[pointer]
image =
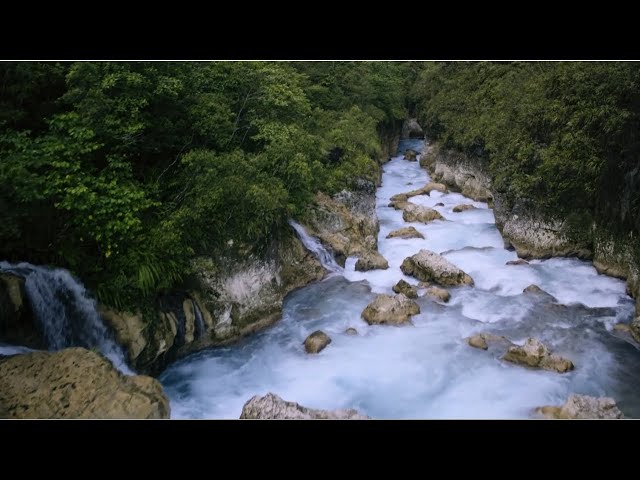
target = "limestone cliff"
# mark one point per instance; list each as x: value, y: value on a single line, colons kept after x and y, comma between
x: 532, y: 234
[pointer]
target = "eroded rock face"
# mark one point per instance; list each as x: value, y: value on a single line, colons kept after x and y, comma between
x: 392, y: 310
x: 429, y: 266
x: 405, y: 233
x: 346, y: 222
x: 17, y: 322
x: 406, y: 289
x: 535, y: 354
x: 439, y: 293
x: 411, y: 129
x: 457, y: 171
x: 272, y: 407
x: 371, y: 261
x: 418, y: 213
x: 634, y: 329
x: 583, y: 407
x: 235, y: 295
x: 316, y: 342
x: 463, y: 208
x: 75, y: 383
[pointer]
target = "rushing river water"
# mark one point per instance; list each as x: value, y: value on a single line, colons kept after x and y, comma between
x: 427, y: 370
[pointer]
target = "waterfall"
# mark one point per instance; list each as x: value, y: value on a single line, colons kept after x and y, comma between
x: 65, y: 312
x: 314, y: 246
x: 199, y: 330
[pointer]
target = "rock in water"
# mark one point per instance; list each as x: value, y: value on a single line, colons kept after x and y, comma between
x: 411, y: 155
x: 439, y: 204
x: 272, y: 407
x: 406, y: 289
x: 371, y: 261
x: 426, y: 190
x: 478, y: 341
x: 387, y: 309
x: 316, y: 342
x: 583, y: 407
x: 519, y: 261
x: 462, y: 208
x: 417, y: 213
x: 351, y: 331
x: 75, y: 383
x: 439, y: 293
x: 483, y: 340
x: 535, y: 354
x: 536, y: 290
x: 398, y: 204
x: 405, y: 233
x: 429, y: 266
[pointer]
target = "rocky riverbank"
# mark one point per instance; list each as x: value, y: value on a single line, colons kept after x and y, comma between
x: 527, y: 230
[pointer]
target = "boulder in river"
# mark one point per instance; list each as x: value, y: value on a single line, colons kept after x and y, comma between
x: 399, y: 197
x: 411, y: 155
x: 536, y: 290
x: 398, y: 204
x: 535, y: 354
x: 483, y: 340
x: 583, y: 407
x: 439, y: 204
x: 429, y: 266
x: 405, y: 233
x: 426, y: 190
x: 316, y: 342
x: 463, y: 208
x: 441, y: 294
x: 272, y: 407
x: 406, y: 288
x: 417, y: 213
x: 351, y: 331
x: 519, y: 261
x: 75, y: 383
x: 392, y: 310
x: 371, y: 261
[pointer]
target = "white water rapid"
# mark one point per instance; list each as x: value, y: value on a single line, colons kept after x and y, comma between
x: 428, y: 370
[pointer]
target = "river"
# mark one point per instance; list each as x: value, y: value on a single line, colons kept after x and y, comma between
x: 427, y: 370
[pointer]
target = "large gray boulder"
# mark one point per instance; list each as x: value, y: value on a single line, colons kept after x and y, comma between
x: 271, y: 407
x: 418, y: 213
x: 75, y: 383
x: 405, y: 233
x: 535, y: 354
x: 393, y: 310
x: 429, y: 266
x: 583, y: 407
x: 371, y: 261
x: 316, y: 342
x: 406, y: 289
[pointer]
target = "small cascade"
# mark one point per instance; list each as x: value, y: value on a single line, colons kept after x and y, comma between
x: 315, y: 246
x: 199, y: 321
x: 65, y: 312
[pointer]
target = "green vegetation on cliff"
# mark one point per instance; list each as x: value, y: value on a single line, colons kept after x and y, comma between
x: 123, y: 172
x: 563, y: 137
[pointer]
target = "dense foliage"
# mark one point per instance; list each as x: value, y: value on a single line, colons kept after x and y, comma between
x: 123, y: 172
x: 563, y: 136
